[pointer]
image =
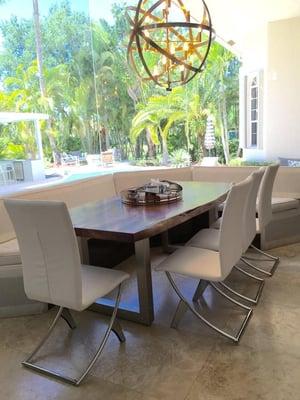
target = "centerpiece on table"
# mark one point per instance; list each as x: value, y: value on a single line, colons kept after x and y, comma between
x: 155, y: 192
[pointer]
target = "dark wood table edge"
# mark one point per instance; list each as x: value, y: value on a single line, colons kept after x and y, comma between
x: 146, y: 233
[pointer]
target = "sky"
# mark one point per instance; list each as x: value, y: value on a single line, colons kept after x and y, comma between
x: 23, y: 8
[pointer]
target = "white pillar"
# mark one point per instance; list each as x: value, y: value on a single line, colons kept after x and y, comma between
x: 38, y: 138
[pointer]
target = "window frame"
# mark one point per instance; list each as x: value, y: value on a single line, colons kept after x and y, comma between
x: 254, y: 140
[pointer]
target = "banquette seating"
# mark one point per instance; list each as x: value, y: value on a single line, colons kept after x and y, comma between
x: 284, y: 227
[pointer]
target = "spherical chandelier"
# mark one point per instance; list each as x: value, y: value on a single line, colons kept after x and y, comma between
x: 166, y: 44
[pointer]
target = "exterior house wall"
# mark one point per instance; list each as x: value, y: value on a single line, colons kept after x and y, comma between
x: 280, y: 130
x: 283, y: 89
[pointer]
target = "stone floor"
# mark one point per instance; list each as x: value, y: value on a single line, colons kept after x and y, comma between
x: 157, y: 362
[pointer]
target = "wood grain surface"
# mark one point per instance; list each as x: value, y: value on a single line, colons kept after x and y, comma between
x: 112, y: 220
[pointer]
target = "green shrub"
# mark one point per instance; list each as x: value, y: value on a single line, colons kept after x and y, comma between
x: 180, y: 158
x: 13, y: 152
x: 240, y: 162
x: 149, y: 162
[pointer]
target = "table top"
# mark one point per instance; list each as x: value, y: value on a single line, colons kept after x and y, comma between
x: 110, y: 219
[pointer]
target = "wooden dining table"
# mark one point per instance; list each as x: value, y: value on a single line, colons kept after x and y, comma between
x: 112, y: 220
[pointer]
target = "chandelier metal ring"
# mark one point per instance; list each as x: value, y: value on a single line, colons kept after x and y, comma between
x: 179, y: 52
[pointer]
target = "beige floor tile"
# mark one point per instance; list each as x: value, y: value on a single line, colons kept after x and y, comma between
x: 283, y: 289
x: 190, y: 363
x: 158, y: 361
x: 19, y: 383
x: 274, y: 328
x: 241, y: 373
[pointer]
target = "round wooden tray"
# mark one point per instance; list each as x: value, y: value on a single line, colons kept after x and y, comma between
x: 152, y: 195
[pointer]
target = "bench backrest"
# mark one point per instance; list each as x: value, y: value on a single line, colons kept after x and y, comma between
x: 287, y: 184
x: 73, y: 194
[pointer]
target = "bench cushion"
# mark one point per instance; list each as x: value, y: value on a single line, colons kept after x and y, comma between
x: 280, y: 204
x: 10, y: 253
x: 13, y: 300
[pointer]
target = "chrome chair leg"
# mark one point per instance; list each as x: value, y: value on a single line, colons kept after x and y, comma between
x: 113, y: 326
x: 262, y: 271
x: 264, y: 253
x: 268, y: 259
x: 229, y: 298
x: 180, y: 311
x: 248, y: 274
x: 235, y: 338
x: 118, y: 331
x: 202, y: 285
x: 67, y: 316
x: 242, y: 296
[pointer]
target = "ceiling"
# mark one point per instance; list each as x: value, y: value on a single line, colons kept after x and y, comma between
x: 245, y: 22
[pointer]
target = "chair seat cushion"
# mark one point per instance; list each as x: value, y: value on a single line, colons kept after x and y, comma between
x: 280, y: 204
x: 206, y: 239
x: 98, y: 282
x: 10, y: 253
x: 193, y: 262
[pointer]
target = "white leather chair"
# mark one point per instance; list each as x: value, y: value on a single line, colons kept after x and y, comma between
x: 210, y: 238
x: 53, y: 272
x: 264, y: 212
x: 213, y: 266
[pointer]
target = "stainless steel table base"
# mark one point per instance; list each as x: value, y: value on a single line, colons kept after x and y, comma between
x: 143, y: 310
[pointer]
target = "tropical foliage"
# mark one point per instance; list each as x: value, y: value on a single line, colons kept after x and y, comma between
x: 93, y: 99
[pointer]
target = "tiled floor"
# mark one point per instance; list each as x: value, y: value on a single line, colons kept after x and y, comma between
x: 157, y: 362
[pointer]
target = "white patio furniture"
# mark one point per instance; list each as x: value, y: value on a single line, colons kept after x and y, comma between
x: 69, y: 159
x: 53, y: 272
x: 2, y: 176
x: 7, y: 175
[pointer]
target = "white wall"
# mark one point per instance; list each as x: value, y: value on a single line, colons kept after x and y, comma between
x: 282, y: 90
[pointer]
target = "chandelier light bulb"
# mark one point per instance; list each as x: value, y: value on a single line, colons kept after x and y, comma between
x: 178, y: 45
x: 185, y: 46
x: 172, y: 49
x: 155, y: 71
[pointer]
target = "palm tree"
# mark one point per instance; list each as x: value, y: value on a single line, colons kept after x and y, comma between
x: 182, y: 106
x: 220, y: 60
x: 39, y: 54
x: 21, y: 93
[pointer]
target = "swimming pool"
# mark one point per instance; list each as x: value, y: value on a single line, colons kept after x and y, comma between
x: 85, y: 175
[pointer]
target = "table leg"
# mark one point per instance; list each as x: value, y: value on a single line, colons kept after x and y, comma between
x: 84, y: 249
x: 212, y: 215
x: 143, y: 312
x: 144, y: 280
x: 165, y: 241
x: 167, y: 248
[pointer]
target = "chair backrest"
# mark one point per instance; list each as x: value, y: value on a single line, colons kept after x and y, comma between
x: 249, y: 225
x: 264, y: 206
x: 231, y: 230
x: 49, y: 251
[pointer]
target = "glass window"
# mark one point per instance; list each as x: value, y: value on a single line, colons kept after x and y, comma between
x: 253, y: 111
x: 254, y: 92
